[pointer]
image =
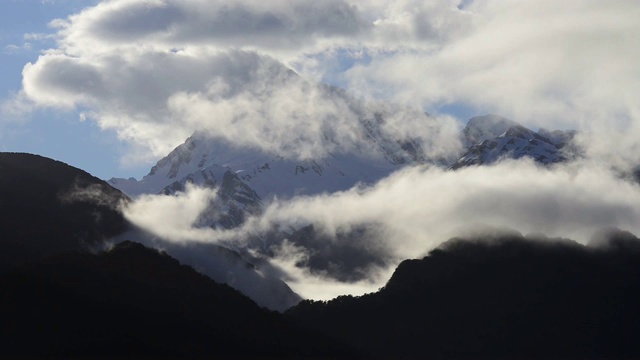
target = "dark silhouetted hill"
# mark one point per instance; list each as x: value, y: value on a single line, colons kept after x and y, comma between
x: 48, y: 207
x: 505, y: 296
x: 135, y: 301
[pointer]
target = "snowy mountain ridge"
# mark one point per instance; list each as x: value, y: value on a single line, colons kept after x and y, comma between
x: 481, y: 128
x: 204, y: 161
x: 493, y: 138
x: 247, y: 178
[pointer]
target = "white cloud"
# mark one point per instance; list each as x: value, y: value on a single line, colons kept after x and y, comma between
x: 135, y: 64
x: 16, y: 49
x: 567, y: 65
x: 156, y: 70
x: 312, y: 285
x: 157, y: 99
x: 173, y: 218
x: 9, y: 49
x: 130, y: 93
x: 418, y: 208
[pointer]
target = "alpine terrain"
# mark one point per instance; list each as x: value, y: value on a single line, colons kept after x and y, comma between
x: 247, y: 179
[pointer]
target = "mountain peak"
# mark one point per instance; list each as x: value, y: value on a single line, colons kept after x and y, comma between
x: 481, y: 128
x: 490, y: 138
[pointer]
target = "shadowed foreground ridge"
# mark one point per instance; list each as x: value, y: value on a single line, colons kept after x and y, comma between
x: 48, y: 207
x: 134, y: 301
x: 498, y: 296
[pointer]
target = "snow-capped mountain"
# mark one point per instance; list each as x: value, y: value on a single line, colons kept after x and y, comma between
x: 486, y: 127
x: 364, y: 146
x: 204, y: 161
x: 492, y: 137
x: 247, y: 178
x: 235, y: 200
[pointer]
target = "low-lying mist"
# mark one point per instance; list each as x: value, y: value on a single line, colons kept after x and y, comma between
x: 412, y: 211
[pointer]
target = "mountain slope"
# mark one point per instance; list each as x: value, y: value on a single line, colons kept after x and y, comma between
x: 269, y: 175
x: 497, y: 296
x: 247, y: 178
x: 481, y: 128
x: 491, y: 138
x: 134, y: 301
x: 361, y: 145
x: 252, y: 277
x: 234, y: 203
x: 48, y: 207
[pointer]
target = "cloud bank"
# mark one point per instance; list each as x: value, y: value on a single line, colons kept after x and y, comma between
x: 415, y: 210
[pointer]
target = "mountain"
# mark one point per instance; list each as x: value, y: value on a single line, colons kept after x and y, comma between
x: 481, y: 128
x: 363, y: 147
x: 136, y: 301
x: 234, y: 203
x: 490, y: 138
x: 204, y: 160
x: 247, y: 178
x: 497, y: 296
x: 49, y: 207
x: 253, y: 277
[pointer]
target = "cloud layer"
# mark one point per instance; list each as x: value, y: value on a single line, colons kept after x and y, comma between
x: 417, y: 208
x: 155, y: 70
